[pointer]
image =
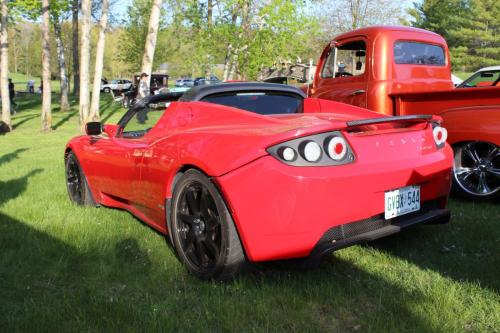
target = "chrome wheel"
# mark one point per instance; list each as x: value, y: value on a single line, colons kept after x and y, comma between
x: 477, y: 169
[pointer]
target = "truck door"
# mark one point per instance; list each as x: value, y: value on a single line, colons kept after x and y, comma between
x: 343, y: 75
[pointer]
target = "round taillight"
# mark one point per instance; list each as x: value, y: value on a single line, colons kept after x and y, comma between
x: 440, y: 135
x: 337, y: 148
x: 311, y: 151
x: 288, y: 154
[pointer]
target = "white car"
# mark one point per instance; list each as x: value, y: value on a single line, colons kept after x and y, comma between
x: 485, y: 77
x: 184, y: 83
x: 116, y: 85
x: 456, y: 80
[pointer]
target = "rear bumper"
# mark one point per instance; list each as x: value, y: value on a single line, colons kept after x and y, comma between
x: 283, y: 212
x: 376, y: 227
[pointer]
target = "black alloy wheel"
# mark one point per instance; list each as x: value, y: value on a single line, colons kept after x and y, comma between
x: 76, y: 183
x: 202, y: 229
x: 477, y: 170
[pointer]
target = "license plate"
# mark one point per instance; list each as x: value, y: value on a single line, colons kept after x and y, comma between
x: 402, y: 201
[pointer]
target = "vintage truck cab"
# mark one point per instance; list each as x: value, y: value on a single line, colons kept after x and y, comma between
x: 397, y: 70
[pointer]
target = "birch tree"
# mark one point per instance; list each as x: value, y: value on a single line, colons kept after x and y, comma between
x: 99, y: 57
x: 63, y: 74
x: 47, y: 92
x: 4, y: 58
x: 84, y: 64
x: 149, y: 48
x: 75, y: 8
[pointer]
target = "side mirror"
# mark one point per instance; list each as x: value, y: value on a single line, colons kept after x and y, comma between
x: 110, y: 129
x: 93, y: 128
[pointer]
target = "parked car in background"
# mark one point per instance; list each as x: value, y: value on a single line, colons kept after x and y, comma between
x: 200, y: 81
x: 456, y: 80
x: 241, y: 172
x: 188, y: 82
x: 404, y: 71
x: 485, y: 77
x: 119, y: 84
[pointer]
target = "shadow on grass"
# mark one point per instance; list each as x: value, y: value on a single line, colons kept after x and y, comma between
x: 48, y: 285
x: 24, y: 120
x: 110, y: 114
x: 29, y: 102
x: 460, y: 251
x: 67, y: 117
x: 12, y: 156
x: 13, y: 188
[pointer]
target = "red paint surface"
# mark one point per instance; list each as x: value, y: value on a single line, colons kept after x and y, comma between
x: 402, y: 89
x: 280, y: 211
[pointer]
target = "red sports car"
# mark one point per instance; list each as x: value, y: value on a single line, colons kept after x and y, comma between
x: 249, y: 172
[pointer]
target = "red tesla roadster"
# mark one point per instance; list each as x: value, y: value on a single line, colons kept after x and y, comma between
x: 249, y: 172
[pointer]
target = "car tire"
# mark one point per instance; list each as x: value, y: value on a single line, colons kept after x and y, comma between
x: 202, y: 230
x: 476, y: 171
x: 76, y: 182
x: 107, y: 90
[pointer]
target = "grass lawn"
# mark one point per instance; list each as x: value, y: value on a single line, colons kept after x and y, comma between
x: 463, y: 75
x: 67, y: 268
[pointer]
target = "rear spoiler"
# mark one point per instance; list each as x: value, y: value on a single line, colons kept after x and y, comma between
x: 412, y: 118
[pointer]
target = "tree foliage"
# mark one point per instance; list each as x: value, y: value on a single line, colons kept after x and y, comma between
x: 471, y: 28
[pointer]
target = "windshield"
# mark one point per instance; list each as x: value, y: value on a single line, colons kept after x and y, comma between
x: 264, y: 103
x: 414, y: 53
x: 482, y: 79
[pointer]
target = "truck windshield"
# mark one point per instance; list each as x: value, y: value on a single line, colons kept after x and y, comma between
x: 414, y: 53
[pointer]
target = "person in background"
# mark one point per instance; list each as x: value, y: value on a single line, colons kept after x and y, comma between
x: 31, y: 86
x: 12, y: 94
x: 143, y: 90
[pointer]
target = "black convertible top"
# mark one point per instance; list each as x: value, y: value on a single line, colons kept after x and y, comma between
x: 199, y: 92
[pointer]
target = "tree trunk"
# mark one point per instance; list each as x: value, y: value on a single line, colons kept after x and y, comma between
x: 4, y: 59
x: 227, y: 62
x: 63, y: 75
x: 234, y: 65
x: 149, y: 48
x: 47, y: 92
x: 15, y: 51
x: 210, y: 6
x: 84, y: 64
x: 208, y: 65
x: 76, y: 60
x: 229, y: 49
x: 99, y: 58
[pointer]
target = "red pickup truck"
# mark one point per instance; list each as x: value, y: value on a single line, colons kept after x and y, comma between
x: 405, y: 71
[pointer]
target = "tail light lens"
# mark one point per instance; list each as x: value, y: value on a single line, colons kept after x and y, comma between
x: 336, y: 148
x: 323, y: 149
x: 440, y: 135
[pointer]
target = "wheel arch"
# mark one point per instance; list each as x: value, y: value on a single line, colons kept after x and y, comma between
x: 168, y: 200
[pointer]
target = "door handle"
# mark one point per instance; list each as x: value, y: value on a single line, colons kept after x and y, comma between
x: 358, y: 92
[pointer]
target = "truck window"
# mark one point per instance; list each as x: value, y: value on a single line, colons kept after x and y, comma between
x: 414, y: 53
x: 346, y: 60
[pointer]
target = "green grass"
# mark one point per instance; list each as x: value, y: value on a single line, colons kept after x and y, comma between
x: 67, y: 268
x: 463, y: 75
